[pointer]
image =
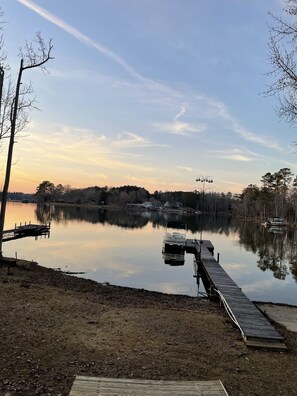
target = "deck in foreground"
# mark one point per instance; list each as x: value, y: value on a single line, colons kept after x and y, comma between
x: 91, y: 386
x: 256, y: 330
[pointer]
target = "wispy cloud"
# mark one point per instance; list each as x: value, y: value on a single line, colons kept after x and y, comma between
x: 209, y: 107
x: 237, y: 157
x: 179, y: 128
x: 80, y: 36
x: 251, y: 137
x: 77, y: 149
x: 220, y: 110
x: 132, y: 140
x: 234, y: 154
x: 180, y: 113
x: 149, y: 83
x: 186, y: 168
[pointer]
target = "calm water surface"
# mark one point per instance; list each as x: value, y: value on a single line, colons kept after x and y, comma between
x: 124, y: 248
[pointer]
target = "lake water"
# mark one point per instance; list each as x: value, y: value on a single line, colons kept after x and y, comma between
x: 124, y: 248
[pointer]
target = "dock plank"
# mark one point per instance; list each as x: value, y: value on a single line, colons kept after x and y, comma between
x: 91, y: 386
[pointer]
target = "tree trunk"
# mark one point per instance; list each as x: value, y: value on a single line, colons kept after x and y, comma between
x: 13, y: 119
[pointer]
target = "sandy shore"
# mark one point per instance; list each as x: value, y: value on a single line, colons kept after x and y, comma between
x: 282, y: 314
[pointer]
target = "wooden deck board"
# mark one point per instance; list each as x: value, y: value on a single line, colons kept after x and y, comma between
x: 91, y: 386
x: 255, y: 327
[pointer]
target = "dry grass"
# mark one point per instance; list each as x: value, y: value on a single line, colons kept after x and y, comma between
x: 55, y: 326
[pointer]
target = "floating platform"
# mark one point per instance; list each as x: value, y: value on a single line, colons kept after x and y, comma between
x: 256, y: 330
x: 92, y: 386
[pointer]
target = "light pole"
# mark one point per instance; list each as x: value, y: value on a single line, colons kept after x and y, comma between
x: 203, y: 180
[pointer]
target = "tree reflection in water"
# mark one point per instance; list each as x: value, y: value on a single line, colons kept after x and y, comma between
x: 65, y: 214
x: 277, y: 252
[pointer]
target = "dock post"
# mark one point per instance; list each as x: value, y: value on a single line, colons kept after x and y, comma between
x: 218, y: 257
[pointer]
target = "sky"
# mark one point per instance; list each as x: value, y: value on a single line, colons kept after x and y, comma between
x: 149, y: 93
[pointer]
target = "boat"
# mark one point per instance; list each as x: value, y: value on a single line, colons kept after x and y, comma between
x: 174, y: 241
x: 275, y: 222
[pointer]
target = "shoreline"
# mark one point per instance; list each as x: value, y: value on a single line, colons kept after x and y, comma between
x: 31, y: 264
x: 34, y: 265
x: 55, y: 326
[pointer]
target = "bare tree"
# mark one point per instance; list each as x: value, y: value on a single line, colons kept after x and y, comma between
x: 282, y: 56
x: 17, y: 104
x: 5, y: 92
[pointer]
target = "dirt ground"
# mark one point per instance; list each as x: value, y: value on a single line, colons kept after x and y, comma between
x: 54, y: 326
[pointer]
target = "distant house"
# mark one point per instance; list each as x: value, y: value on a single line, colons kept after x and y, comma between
x: 173, y: 205
x: 147, y: 205
x: 151, y: 206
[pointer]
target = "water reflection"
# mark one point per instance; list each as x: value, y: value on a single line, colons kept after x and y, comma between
x: 130, y: 218
x: 173, y: 259
x: 276, y: 252
x: 66, y: 214
x: 125, y: 247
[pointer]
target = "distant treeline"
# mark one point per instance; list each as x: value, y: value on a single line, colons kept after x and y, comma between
x: 20, y: 196
x: 277, y: 196
x: 196, y: 200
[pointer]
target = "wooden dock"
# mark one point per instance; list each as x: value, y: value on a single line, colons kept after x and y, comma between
x: 92, y: 386
x: 26, y: 230
x: 256, y: 330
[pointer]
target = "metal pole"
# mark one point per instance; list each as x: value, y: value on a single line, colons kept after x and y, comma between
x: 203, y: 180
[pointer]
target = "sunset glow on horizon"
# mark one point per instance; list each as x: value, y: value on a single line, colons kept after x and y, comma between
x: 148, y: 93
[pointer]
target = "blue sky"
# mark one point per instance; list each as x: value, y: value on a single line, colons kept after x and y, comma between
x: 149, y: 93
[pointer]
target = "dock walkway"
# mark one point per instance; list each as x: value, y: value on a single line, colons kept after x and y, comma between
x: 26, y: 230
x: 256, y: 330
